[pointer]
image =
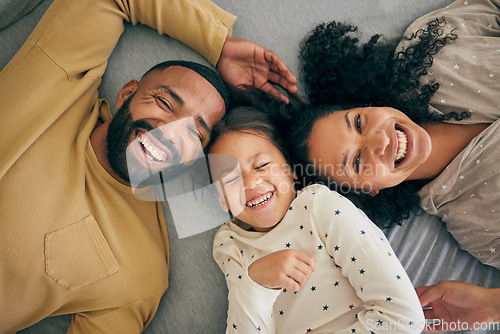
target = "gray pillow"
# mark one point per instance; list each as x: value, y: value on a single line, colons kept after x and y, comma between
x: 12, y: 10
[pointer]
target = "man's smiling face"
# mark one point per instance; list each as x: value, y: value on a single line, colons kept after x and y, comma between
x: 164, y: 121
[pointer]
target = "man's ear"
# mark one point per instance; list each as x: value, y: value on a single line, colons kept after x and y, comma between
x: 373, y: 193
x: 127, y: 90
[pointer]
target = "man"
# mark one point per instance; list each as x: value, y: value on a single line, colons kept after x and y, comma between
x: 75, y: 239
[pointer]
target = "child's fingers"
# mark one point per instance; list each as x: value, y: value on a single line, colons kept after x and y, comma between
x: 306, y: 258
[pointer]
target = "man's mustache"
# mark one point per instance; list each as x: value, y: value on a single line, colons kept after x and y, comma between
x: 158, y: 134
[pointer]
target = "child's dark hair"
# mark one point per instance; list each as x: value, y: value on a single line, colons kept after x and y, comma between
x: 255, y: 111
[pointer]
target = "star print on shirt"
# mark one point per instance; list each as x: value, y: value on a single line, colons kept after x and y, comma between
x: 363, y: 232
x: 282, y: 312
x: 336, y: 283
x: 290, y: 208
x: 350, y: 306
x: 353, y: 259
x: 320, y: 247
x: 362, y: 271
x: 337, y: 212
x: 388, y: 299
x: 336, y: 248
x: 325, y: 308
x: 287, y: 245
x: 398, y: 277
x: 301, y: 227
x: 313, y: 288
x: 305, y: 207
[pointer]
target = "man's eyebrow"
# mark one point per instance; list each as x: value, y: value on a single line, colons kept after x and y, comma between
x: 202, y: 122
x: 172, y: 93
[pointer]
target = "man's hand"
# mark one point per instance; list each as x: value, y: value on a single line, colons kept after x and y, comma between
x: 286, y: 269
x: 454, y: 301
x: 245, y: 64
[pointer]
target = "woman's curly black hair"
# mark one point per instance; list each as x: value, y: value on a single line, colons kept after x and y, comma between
x: 341, y: 74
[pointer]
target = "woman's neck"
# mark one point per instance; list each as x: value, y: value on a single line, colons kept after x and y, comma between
x: 448, y: 140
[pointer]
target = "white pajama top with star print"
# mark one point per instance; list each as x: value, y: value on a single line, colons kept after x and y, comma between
x: 358, y: 285
x: 466, y: 195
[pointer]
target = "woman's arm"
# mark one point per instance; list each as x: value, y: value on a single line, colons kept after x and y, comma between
x: 453, y: 302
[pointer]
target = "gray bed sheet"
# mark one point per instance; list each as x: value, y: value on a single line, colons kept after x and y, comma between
x: 196, y: 300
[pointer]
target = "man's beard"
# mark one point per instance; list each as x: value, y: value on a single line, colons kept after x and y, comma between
x: 120, y: 130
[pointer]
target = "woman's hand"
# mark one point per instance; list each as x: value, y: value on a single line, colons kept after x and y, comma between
x: 245, y: 64
x: 454, y: 301
x: 286, y: 269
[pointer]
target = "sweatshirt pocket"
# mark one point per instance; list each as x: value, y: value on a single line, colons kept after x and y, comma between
x: 78, y: 255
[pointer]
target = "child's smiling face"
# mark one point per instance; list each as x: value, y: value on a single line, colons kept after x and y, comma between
x: 260, y: 187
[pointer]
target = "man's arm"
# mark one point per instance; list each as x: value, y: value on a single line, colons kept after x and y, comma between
x: 128, y: 319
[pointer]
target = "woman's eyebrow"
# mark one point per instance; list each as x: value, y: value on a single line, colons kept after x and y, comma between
x: 346, y: 116
x: 348, y: 122
x: 344, y: 162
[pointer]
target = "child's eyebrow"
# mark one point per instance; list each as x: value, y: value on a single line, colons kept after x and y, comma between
x: 226, y: 171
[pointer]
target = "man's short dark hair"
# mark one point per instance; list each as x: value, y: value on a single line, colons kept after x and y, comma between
x: 207, y: 73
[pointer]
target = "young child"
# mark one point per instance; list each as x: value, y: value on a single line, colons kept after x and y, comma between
x: 309, y: 262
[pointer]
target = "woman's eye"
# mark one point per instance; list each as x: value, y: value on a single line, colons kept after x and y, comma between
x: 356, y: 163
x: 262, y: 166
x: 357, y: 123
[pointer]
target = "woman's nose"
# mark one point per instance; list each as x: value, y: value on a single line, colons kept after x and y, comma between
x: 378, y: 142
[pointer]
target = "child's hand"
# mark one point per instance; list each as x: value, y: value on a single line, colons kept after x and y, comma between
x: 286, y: 269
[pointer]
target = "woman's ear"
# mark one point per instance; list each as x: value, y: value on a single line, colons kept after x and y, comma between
x: 127, y: 90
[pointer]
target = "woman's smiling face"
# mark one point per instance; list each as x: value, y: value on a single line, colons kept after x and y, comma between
x: 368, y: 148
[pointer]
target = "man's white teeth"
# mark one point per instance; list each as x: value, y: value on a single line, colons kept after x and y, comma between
x: 403, y: 144
x: 262, y: 199
x: 153, y: 150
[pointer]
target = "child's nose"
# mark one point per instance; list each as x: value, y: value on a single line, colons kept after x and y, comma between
x: 251, y: 181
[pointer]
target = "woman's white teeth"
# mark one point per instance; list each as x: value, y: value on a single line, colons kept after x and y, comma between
x: 403, y: 145
x: 153, y: 150
x: 262, y: 199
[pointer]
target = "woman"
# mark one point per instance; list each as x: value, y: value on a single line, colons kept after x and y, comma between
x: 398, y: 125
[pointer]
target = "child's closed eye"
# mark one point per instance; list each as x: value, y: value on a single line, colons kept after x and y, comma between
x: 262, y: 165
